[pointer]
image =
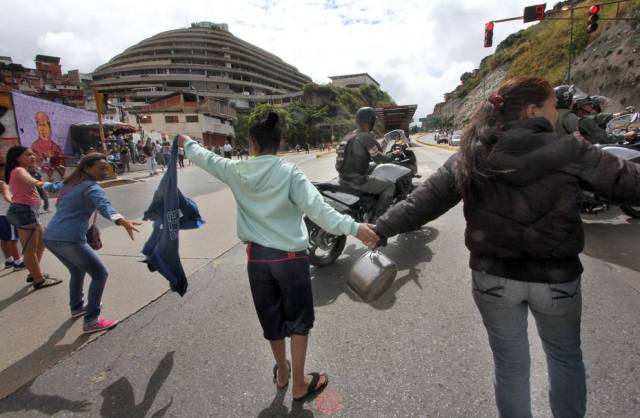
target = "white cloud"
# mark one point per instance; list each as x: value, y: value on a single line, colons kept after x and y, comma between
x: 416, y: 50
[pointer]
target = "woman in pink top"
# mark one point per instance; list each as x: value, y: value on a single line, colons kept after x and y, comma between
x: 24, y: 212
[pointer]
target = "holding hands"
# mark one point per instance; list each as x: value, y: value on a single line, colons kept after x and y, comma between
x: 366, y: 234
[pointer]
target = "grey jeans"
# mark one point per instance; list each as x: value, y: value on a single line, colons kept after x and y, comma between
x: 504, y: 305
x: 384, y: 189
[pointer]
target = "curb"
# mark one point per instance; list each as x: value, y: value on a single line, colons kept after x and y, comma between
x: 324, y: 154
x: 446, y: 147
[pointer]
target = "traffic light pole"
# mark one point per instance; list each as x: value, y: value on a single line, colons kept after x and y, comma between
x: 570, y: 50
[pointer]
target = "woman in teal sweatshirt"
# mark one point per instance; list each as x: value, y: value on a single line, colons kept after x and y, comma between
x: 272, y: 197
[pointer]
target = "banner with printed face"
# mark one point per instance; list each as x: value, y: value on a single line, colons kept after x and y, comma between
x: 44, y: 126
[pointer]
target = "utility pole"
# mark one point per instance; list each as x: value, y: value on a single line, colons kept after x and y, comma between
x: 570, y: 49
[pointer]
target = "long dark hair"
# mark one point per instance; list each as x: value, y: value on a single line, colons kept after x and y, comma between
x: 80, y: 174
x: 12, y: 160
x: 267, y: 133
x: 507, y: 104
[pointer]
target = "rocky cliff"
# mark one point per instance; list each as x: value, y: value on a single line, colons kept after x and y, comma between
x: 606, y: 63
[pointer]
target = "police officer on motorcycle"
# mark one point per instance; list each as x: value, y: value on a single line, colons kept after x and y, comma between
x: 572, y: 112
x: 354, y: 154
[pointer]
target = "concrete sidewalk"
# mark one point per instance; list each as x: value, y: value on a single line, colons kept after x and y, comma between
x: 33, y: 339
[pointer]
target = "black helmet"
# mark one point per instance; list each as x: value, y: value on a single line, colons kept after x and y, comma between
x: 564, y: 94
x: 582, y: 100
x: 600, y: 102
x: 366, y: 115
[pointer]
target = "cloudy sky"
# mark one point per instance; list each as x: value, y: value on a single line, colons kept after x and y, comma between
x: 416, y: 49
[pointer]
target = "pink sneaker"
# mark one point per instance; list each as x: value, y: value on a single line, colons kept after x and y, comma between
x: 100, y: 325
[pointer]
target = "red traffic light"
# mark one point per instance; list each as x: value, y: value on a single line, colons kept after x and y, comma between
x: 592, y: 22
x: 488, y: 34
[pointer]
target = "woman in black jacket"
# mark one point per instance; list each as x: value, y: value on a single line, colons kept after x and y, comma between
x: 521, y: 187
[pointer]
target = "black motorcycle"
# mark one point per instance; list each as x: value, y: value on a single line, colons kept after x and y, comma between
x: 324, y: 247
x: 594, y: 203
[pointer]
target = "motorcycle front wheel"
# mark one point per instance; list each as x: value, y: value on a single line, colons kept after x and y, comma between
x: 633, y: 211
x: 324, y: 248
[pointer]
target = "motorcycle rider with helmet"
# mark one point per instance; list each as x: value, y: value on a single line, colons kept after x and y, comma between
x: 572, y: 112
x: 579, y: 113
x: 355, y: 152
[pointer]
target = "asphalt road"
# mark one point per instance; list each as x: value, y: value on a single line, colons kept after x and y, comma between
x: 420, y: 350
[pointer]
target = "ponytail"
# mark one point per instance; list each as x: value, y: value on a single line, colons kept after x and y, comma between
x: 267, y: 133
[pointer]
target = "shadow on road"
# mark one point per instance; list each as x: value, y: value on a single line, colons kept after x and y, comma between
x: 20, y: 294
x: 614, y: 243
x: 407, y: 250
x: 278, y: 409
x: 119, y: 398
x: 31, y: 366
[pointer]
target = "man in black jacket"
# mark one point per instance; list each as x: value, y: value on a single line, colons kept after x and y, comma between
x: 354, y: 154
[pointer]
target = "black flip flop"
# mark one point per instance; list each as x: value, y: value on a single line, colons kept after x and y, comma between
x: 312, y: 389
x: 30, y: 278
x: 275, y: 378
x: 47, y: 282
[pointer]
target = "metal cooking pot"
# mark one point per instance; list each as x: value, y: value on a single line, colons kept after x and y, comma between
x: 372, y: 275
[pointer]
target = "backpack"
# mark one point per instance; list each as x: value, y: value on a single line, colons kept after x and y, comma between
x: 342, y: 148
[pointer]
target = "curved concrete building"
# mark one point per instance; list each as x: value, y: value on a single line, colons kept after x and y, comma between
x: 205, y: 58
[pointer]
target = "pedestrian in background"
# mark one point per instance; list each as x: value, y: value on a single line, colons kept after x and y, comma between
x: 8, y: 233
x: 125, y: 158
x: 158, y: 154
x: 520, y: 183
x: 139, y: 149
x: 181, y: 157
x: 149, y: 151
x: 227, y: 149
x: 272, y: 196
x: 24, y: 212
x: 80, y: 197
x: 166, y: 154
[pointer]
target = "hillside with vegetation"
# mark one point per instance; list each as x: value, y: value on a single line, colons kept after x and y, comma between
x: 604, y: 62
x: 325, y: 111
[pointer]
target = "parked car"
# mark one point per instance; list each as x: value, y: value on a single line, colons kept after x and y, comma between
x: 455, y: 139
x: 441, y: 137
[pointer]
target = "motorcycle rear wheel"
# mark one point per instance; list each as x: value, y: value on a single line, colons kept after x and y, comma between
x: 633, y: 211
x: 333, y: 245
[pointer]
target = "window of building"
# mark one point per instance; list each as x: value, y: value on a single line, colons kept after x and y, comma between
x: 171, y: 119
x: 145, y: 119
x: 192, y: 118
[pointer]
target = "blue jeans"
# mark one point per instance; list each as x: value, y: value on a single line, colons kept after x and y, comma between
x: 80, y: 259
x: 504, y: 305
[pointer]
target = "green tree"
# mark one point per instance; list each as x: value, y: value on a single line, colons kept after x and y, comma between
x: 241, y: 129
x: 304, y: 122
